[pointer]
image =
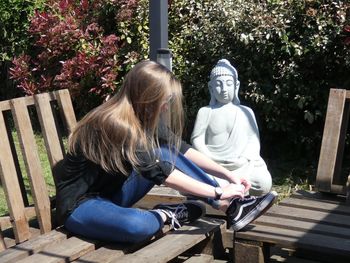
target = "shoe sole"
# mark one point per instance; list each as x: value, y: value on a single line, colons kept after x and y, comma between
x: 256, y: 212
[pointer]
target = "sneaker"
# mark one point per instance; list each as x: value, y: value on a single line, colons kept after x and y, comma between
x: 243, y: 211
x: 178, y: 214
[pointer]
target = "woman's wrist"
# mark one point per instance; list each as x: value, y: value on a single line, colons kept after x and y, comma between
x: 218, y: 192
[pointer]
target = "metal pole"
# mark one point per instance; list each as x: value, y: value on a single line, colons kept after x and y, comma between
x: 158, y: 20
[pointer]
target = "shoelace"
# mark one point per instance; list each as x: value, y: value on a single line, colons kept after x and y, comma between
x: 180, y: 213
x: 247, y: 198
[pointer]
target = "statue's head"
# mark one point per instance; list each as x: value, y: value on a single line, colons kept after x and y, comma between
x: 224, y: 83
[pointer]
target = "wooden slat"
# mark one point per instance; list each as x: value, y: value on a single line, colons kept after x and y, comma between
x: 31, y: 246
x: 10, y: 242
x: 6, y: 105
x: 201, y: 258
x: 32, y: 162
x: 317, y: 205
x: 11, y: 187
x: 101, y: 255
x: 330, y: 140
x: 339, y: 179
x: 15, y: 155
x: 2, y: 242
x: 296, y: 239
x: 302, y: 225
x: 5, y: 221
x: 65, y: 251
x: 163, y: 194
x: 348, y: 94
x: 174, y: 243
x: 112, y: 251
x: 309, y: 215
x: 323, y: 197
x: 48, y: 127
x: 66, y: 108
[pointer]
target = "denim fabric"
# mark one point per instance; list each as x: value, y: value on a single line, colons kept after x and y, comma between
x: 114, y: 220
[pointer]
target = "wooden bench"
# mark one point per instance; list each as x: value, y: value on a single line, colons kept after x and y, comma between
x: 312, y: 224
x: 29, y: 233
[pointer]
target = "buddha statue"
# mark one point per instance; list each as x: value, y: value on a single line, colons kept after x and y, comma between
x: 227, y: 131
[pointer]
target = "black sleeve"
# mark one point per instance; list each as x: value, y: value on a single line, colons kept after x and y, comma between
x: 152, y: 168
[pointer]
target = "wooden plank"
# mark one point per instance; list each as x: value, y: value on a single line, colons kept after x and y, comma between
x: 5, y: 221
x: 150, y: 200
x: 309, y: 215
x: 296, y: 239
x: 65, y: 251
x: 316, y: 205
x: 167, y: 195
x: 31, y: 246
x: 66, y: 108
x: 109, y: 252
x: 175, y: 243
x: 318, y: 196
x: 11, y: 187
x: 2, y: 242
x: 32, y: 163
x: 302, y: 225
x: 6, y: 105
x: 11, y: 242
x: 101, y: 255
x: 339, y: 178
x: 48, y: 127
x: 15, y: 155
x: 248, y: 253
x: 201, y: 258
x: 330, y: 140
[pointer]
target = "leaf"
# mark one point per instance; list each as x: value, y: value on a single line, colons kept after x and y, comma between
x: 309, y: 116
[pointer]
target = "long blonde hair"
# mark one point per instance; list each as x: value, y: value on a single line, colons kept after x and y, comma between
x: 110, y: 134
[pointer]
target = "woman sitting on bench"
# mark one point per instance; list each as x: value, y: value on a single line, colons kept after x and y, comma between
x: 122, y: 148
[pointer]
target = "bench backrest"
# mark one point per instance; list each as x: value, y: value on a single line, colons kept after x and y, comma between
x: 329, y: 177
x: 54, y: 110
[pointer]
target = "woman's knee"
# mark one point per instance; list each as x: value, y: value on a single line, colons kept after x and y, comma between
x: 137, y: 229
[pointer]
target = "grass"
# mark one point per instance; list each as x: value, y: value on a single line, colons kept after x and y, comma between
x: 45, y: 168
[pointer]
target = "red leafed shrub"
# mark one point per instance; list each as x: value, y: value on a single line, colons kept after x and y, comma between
x: 70, y: 49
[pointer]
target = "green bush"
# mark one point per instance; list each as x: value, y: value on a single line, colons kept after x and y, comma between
x: 77, y: 45
x: 288, y: 55
x: 14, y: 22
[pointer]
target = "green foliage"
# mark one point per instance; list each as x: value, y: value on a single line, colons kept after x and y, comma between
x: 14, y: 22
x: 288, y: 55
x: 77, y: 45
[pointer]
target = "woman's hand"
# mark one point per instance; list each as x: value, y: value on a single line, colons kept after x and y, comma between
x: 233, y: 190
x: 240, y: 180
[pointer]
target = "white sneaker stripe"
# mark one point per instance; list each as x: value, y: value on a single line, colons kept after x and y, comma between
x: 241, y: 209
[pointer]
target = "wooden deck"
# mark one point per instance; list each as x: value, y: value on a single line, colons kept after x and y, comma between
x: 312, y: 227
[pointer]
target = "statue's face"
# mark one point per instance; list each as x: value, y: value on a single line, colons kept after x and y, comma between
x: 223, y: 88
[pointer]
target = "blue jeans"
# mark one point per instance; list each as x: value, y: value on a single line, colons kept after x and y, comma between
x: 114, y: 219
